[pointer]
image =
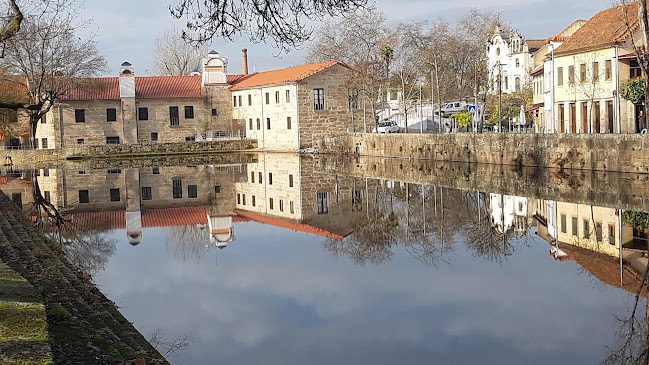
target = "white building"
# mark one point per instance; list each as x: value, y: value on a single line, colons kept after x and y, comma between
x: 510, y: 55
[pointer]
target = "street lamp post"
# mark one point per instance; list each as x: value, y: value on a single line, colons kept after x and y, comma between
x: 421, y: 108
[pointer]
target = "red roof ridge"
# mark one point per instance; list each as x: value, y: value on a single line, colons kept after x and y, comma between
x: 283, y: 75
x: 287, y: 223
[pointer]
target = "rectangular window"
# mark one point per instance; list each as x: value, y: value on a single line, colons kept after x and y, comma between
x: 318, y: 99
x: 571, y: 75
x: 43, y: 143
x: 217, y: 189
x: 114, y: 171
x: 267, y: 98
x: 258, y: 124
x: 323, y: 204
x: 44, y: 119
x: 254, y: 202
x: 598, y: 231
x: 288, y: 96
x: 586, y: 228
x: 249, y: 100
x: 291, y: 207
x: 146, y: 193
x: 81, y: 141
x: 111, y: 115
x: 260, y: 177
x: 634, y: 69
x: 114, y: 194
x: 290, y: 180
x: 192, y: 191
x: 270, y: 203
x: 83, y: 197
x: 281, y: 205
x: 112, y: 140
x: 582, y: 73
x: 174, y: 119
x: 268, y: 123
x: 250, y: 124
x: 79, y: 115
x: 609, y: 115
x: 47, y: 196
x: 276, y: 97
x: 352, y: 99
x: 234, y: 101
x: 270, y: 178
x: 611, y: 234
x: 244, y: 199
x: 17, y: 198
x: 190, y: 139
x: 46, y: 172
x: 564, y: 224
x: 240, y: 103
x: 214, y: 113
x: 595, y: 71
x: 154, y: 136
x: 559, y: 76
x: 189, y: 112
x: 155, y: 171
x: 177, y: 187
x: 81, y: 172
x: 562, y: 118
x: 608, y: 70
x: 252, y: 177
x: 288, y: 122
x: 238, y: 198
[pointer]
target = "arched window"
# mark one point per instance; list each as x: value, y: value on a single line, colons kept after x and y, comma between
x: 497, y: 51
x: 517, y: 83
x: 506, y: 84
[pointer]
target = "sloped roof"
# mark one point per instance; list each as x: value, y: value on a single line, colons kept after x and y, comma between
x: 291, y: 74
x: 537, y: 69
x: 159, y: 217
x: 534, y: 45
x: 100, y: 88
x: 603, y: 30
x: 288, y: 224
x: 157, y: 87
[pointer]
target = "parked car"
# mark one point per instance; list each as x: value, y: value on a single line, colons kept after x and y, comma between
x: 387, y: 127
x: 454, y: 107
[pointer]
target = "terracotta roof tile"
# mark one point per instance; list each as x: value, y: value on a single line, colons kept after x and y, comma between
x: 160, y: 217
x: 100, y: 88
x: 288, y: 224
x: 603, y: 30
x: 291, y: 74
x: 156, y: 87
x: 538, y: 68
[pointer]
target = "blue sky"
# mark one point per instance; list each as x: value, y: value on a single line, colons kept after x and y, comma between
x: 127, y: 29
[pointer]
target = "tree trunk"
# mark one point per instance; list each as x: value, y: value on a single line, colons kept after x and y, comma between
x: 643, y: 57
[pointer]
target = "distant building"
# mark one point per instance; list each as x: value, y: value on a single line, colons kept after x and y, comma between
x: 510, y: 56
x: 589, y: 66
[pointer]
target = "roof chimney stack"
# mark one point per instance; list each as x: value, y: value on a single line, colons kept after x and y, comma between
x: 244, y: 61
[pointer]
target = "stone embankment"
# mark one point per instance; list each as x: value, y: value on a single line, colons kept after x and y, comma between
x: 596, y: 152
x: 83, y: 326
x: 56, y: 157
x: 598, y: 188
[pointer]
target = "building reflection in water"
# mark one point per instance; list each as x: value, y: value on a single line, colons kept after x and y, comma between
x: 358, y: 217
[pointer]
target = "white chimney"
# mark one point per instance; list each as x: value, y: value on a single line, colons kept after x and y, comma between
x: 126, y: 81
x: 214, y: 69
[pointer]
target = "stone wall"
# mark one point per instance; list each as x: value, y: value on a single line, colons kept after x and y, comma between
x: 57, y: 157
x: 598, y: 152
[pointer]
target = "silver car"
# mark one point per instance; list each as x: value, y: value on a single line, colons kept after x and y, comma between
x: 387, y: 127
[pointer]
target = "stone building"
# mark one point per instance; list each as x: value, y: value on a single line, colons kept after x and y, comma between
x: 283, y: 108
x: 280, y: 108
x: 589, y: 67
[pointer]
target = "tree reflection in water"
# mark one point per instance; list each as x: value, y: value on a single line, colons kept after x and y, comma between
x: 187, y: 242
x: 428, y: 222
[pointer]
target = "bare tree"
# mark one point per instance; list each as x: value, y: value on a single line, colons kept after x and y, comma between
x: 283, y: 22
x: 49, y: 56
x: 187, y: 242
x: 12, y: 26
x: 175, y: 56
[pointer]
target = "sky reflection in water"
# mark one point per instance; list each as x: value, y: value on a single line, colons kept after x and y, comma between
x: 276, y: 296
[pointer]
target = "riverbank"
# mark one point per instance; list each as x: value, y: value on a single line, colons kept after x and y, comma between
x: 83, y: 326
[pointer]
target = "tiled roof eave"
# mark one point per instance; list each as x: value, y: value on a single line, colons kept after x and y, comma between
x: 575, y: 51
x: 233, y: 88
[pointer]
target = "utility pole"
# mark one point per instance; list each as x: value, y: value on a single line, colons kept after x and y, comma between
x: 500, y: 107
x: 432, y: 93
x: 475, y: 103
x: 421, y: 108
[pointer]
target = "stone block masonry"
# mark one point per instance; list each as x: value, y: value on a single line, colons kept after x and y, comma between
x: 57, y: 157
x: 595, y: 152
